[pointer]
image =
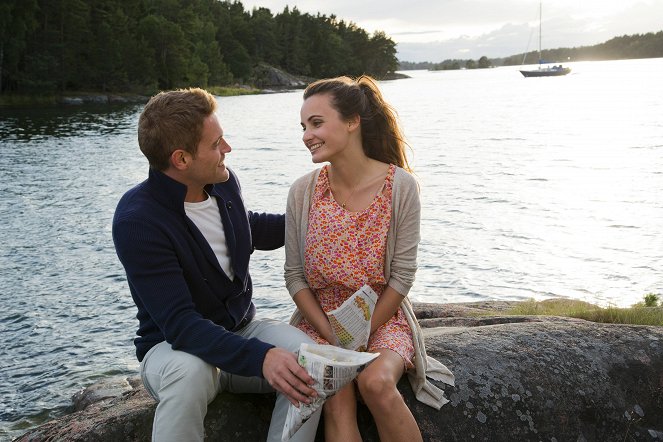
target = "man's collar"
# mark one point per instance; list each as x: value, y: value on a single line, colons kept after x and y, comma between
x: 166, y: 190
x: 170, y: 192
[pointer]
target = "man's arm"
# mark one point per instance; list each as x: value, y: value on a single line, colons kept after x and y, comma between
x: 157, y: 280
x: 267, y: 230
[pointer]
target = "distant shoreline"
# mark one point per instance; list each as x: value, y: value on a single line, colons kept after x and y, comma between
x: 103, y: 98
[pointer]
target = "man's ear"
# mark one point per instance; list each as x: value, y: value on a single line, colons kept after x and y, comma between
x: 180, y: 159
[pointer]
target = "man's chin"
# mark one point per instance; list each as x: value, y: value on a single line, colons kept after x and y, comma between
x: 224, y: 176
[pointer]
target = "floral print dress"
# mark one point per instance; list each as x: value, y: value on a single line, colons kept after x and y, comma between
x: 344, y: 251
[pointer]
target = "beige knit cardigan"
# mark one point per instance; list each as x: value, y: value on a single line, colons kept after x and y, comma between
x: 399, y: 268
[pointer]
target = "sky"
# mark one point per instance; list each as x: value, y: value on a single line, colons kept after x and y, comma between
x: 437, y: 30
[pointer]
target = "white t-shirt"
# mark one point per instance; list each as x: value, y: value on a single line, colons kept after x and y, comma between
x: 205, y: 216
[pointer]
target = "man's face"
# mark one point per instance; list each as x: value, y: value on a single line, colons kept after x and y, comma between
x: 208, y: 166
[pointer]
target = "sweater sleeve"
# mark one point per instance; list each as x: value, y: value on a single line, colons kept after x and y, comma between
x: 406, y: 218
x: 296, y: 224
x: 267, y: 230
x: 160, y: 291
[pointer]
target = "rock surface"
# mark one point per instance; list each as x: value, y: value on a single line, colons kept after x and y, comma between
x: 102, y: 99
x: 517, y: 378
x: 272, y: 78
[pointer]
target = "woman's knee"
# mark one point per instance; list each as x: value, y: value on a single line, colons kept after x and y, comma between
x: 377, y: 388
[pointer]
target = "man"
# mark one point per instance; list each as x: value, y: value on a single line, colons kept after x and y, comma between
x: 184, y: 238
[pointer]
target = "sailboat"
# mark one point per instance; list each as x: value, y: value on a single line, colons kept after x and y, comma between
x: 547, y: 71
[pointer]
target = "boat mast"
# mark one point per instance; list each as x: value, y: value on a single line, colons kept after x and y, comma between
x: 540, y: 15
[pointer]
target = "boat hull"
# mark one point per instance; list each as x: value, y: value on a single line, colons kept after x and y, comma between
x: 546, y: 72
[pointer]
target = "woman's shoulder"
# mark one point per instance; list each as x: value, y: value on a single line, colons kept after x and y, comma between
x: 403, y: 178
x: 305, y: 181
x: 307, y: 177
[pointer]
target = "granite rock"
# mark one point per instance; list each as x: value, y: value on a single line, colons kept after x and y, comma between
x: 517, y: 378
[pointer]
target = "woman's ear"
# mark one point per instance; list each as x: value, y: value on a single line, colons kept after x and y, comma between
x: 354, y: 122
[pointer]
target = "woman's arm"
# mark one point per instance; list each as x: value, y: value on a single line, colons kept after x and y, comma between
x: 404, y: 235
x: 296, y: 222
x: 386, y: 307
x: 310, y: 308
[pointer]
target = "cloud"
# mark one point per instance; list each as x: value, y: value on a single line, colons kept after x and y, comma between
x: 435, y: 30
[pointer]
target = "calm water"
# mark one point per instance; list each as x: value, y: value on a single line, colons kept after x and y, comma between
x: 531, y: 188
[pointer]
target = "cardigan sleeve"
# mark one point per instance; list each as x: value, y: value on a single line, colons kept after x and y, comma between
x: 404, y: 235
x: 296, y: 225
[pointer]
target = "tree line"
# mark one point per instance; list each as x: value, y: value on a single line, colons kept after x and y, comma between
x: 141, y: 46
x: 626, y: 47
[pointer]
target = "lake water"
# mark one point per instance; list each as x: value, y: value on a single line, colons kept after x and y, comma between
x: 531, y: 188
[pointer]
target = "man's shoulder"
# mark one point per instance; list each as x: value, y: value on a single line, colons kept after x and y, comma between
x: 135, y: 203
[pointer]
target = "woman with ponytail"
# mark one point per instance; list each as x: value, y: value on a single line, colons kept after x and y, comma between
x: 352, y: 222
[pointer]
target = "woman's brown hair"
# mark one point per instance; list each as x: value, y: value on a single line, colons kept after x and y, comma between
x: 382, y: 138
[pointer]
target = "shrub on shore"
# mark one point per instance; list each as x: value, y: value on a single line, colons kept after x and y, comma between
x: 643, y: 313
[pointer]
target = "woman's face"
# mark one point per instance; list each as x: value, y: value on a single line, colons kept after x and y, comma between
x: 326, y: 134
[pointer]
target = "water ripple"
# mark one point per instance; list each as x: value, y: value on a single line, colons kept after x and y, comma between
x: 522, y: 203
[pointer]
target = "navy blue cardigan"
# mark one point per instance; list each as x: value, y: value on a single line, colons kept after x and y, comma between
x: 182, y: 294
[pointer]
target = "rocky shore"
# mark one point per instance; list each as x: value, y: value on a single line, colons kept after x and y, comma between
x: 518, y: 378
x: 266, y: 79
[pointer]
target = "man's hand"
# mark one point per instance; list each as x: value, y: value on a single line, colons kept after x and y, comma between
x: 286, y: 376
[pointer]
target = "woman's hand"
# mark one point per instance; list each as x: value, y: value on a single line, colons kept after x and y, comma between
x: 310, y: 308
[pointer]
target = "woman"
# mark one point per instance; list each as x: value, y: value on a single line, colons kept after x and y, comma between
x: 352, y: 222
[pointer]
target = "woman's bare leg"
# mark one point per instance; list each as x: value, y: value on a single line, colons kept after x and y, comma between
x: 377, y: 385
x: 340, y: 413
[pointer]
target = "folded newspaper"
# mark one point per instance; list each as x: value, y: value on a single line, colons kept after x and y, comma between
x: 332, y: 368
x: 351, y: 322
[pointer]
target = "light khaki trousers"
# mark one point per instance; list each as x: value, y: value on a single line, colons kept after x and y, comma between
x: 183, y: 385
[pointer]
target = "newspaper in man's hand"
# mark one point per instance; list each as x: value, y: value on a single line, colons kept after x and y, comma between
x: 332, y: 368
x: 351, y: 322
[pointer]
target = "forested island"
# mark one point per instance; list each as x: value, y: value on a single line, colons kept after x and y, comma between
x: 626, y: 47
x: 141, y: 46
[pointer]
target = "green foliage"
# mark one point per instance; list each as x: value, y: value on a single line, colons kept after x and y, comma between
x: 626, y: 47
x: 634, y: 315
x: 619, y: 48
x: 484, y: 62
x: 228, y: 91
x: 141, y: 46
x: 639, y: 314
x: 552, y: 307
x: 651, y: 299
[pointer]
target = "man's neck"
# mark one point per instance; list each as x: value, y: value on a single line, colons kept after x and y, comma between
x: 197, y: 195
